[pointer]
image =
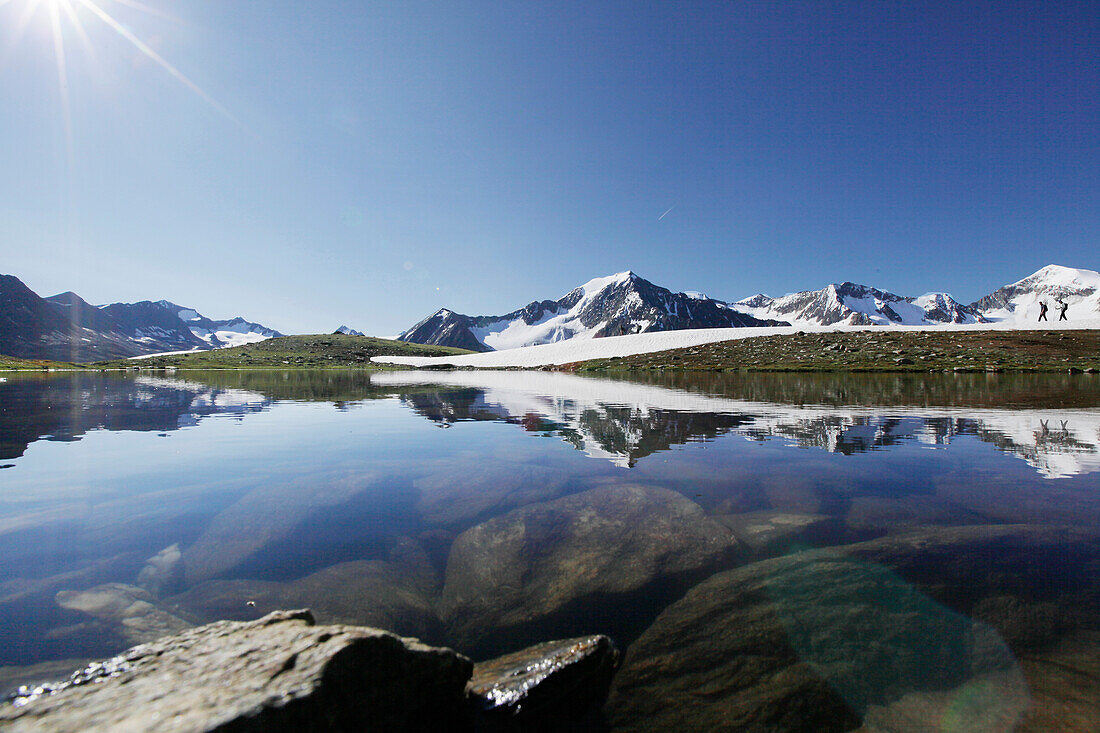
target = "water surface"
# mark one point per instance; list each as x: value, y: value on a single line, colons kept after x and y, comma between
x: 774, y: 552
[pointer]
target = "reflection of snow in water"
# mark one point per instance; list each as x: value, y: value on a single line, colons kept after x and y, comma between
x: 204, y: 398
x: 1057, y: 443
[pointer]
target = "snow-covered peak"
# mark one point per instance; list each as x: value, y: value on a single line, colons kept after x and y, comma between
x: 755, y: 301
x: 1059, y: 276
x: 1022, y: 301
x: 348, y: 331
x: 613, y: 305
x: 857, y: 305
x: 599, y: 284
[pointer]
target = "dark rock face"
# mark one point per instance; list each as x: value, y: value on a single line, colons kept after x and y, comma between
x: 154, y: 323
x: 280, y: 673
x: 36, y: 328
x: 526, y: 573
x: 445, y: 328
x: 627, y: 304
x: 65, y: 327
x: 544, y: 686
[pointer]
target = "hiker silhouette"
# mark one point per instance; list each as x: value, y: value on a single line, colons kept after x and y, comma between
x: 1042, y: 311
x: 1062, y: 307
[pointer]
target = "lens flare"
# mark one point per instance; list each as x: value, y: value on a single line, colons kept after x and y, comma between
x: 71, y: 12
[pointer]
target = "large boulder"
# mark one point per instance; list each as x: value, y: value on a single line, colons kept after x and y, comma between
x: 279, y: 673
x: 264, y: 517
x: 605, y: 558
x: 883, y: 633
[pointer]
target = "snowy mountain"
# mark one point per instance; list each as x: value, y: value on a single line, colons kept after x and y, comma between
x: 858, y: 305
x: 68, y: 328
x: 348, y: 331
x: 604, y: 306
x: 1019, y: 302
x: 33, y: 328
x: 153, y: 327
x: 218, y: 334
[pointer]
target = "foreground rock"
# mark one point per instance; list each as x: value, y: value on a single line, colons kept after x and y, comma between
x: 280, y: 673
x: 604, y: 558
x: 893, y: 634
x: 283, y: 673
x: 544, y: 687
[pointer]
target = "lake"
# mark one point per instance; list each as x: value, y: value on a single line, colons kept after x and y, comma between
x: 772, y: 551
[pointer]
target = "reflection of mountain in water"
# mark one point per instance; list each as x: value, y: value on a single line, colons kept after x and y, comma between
x: 625, y: 421
x: 620, y: 433
x: 67, y: 408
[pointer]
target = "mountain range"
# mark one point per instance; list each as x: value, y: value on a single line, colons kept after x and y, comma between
x: 627, y: 303
x: 605, y: 306
x: 65, y: 327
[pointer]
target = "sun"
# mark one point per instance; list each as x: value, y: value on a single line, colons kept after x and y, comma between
x: 72, y: 15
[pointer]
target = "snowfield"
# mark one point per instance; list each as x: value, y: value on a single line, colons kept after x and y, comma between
x: 574, y: 350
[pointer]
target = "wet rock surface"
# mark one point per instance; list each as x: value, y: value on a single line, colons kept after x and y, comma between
x: 888, y: 633
x: 279, y: 673
x: 511, y: 580
x: 545, y: 687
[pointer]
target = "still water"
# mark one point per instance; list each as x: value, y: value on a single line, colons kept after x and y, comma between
x: 773, y: 552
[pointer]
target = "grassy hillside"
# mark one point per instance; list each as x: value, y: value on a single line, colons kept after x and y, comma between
x: 13, y: 363
x: 307, y: 352
x: 870, y: 351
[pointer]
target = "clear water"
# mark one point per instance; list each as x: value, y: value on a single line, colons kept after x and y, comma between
x: 490, y: 510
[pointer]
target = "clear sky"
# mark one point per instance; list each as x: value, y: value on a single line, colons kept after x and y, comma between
x: 372, y: 162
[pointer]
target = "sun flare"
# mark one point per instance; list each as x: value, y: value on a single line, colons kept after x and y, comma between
x: 71, y: 17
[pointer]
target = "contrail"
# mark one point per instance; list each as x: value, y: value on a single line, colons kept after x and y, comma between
x: 662, y: 216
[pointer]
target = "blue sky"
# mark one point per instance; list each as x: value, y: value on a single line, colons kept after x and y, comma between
x: 380, y: 160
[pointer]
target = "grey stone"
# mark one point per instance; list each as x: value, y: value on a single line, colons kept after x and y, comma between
x: 544, y: 686
x: 279, y: 673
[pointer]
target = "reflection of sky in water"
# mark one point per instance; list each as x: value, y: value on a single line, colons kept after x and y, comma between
x: 354, y: 501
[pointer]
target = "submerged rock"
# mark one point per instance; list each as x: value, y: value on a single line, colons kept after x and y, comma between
x: 393, y: 594
x: 880, y: 633
x: 545, y: 686
x: 264, y: 516
x: 127, y: 610
x: 279, y: 673
x: 539, y: 571
x: 773, y: 533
